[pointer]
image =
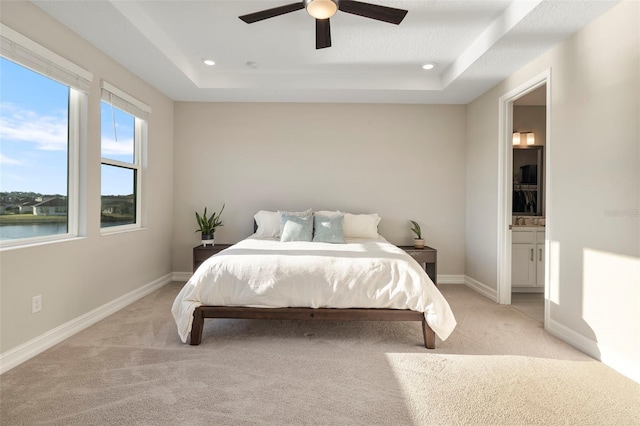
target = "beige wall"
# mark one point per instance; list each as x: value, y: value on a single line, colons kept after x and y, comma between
x: 75, y: 277
x: 592, y: 217
x: 401, y: 161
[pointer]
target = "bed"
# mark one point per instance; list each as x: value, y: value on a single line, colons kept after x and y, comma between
x: 265, y: 278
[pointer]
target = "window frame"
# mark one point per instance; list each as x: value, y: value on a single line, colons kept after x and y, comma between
x: 140, y: 111
x: 136, y: 166
x: 36, y: 58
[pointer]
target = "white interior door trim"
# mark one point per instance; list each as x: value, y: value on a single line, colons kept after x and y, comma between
x: 505, y: 181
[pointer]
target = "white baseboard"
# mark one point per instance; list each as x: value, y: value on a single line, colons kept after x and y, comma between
x: 450, y: 279
x: 483, y: 289
x: 37, y: 345
x: 613, y: 359
x: 573, y: 338
x: 181, y: 276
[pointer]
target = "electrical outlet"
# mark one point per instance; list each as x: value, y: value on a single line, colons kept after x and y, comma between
x: 36, y: 304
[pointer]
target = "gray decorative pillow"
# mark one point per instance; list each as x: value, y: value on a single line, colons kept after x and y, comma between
x: 296, y: 228
x: 328, y: 229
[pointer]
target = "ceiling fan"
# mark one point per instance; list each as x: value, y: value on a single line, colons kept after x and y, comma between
x: 322, y: 10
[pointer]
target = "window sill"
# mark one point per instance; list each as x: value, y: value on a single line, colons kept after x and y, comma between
x: 30, y: 244
x: 121, y: 230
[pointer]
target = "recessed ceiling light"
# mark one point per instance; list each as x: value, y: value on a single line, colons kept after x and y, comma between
x: 209, y: 62
x: 428, y: 66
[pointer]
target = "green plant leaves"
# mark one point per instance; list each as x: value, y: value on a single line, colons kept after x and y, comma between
x: 208, y: 225
x: 416, y: 229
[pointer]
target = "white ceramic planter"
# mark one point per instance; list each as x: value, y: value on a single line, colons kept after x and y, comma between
x: 207, y: 240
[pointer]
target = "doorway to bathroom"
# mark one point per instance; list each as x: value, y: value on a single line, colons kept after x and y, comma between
x: 529, y: 123
x: 523, y: 183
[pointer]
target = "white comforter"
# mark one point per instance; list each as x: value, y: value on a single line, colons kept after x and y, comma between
x: 267, y: 273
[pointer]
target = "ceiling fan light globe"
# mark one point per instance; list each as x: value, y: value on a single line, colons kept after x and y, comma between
x: 321, y: 9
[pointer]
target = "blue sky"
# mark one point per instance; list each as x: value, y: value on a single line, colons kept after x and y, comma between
x: 33, y: 135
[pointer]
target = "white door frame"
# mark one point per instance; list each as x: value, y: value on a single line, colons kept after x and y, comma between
x: 505, y: 184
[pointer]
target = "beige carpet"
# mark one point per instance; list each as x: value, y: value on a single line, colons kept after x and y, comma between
x: 498, y: 368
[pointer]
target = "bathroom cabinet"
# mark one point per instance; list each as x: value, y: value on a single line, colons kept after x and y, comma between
x: 527, y: 257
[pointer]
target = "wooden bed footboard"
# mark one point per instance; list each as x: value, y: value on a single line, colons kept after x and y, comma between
x: 354, y: 314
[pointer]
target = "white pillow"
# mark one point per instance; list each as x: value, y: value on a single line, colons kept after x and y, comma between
x: 268, y: 224
x: 361, y: 225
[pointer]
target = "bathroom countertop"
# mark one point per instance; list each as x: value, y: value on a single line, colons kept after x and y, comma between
x: 528, y: 227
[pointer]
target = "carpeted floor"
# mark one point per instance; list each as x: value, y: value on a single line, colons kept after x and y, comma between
x: 498, y: 368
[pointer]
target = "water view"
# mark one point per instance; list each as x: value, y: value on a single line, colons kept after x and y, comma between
x: 32, y: 215
x: 13, y: 232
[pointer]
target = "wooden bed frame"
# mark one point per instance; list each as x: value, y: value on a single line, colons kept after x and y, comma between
x: 354, y: 314
x: 331, y: 314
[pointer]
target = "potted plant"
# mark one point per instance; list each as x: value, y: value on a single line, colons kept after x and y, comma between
x: 207, y: 225
x: 418, y: 242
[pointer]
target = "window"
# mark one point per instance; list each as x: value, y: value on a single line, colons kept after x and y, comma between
x: 42, y: 102
x: 123, y: 138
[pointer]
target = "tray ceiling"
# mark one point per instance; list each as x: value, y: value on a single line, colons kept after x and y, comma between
x: 473, y: 44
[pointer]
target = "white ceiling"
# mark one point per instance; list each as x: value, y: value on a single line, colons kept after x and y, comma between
x: 475, y: 45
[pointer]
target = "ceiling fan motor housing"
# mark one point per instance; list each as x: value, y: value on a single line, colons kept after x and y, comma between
x: 321, y: 9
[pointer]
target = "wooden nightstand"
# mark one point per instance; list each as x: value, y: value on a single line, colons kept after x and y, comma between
x: 202, y: 253
x: 427, y: 256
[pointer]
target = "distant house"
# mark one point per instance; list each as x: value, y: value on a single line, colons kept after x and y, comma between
x: 55, y: 206
x: 28, y: 206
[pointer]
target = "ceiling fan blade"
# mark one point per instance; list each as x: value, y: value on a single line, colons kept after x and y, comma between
x: 323, y: 33
x: 373, y: 11
x: 270, y: 13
